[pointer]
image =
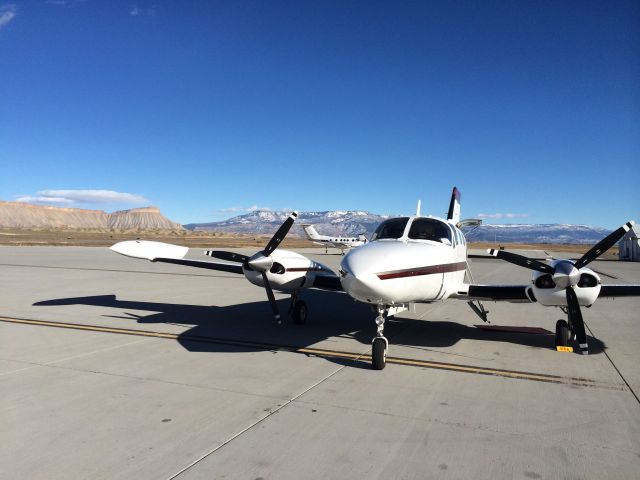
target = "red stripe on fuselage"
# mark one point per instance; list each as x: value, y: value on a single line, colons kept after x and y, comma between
x: 429, y: 270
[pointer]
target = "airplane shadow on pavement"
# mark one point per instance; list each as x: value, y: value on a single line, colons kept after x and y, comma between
x: 333, y: 317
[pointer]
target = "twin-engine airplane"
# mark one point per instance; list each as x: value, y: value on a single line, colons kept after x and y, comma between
x: 343, y: 243
x: 413, y: 259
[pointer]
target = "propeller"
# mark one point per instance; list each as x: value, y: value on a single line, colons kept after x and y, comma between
x: 261, y: 261
x: 566, y: 274
x: 605, y: 244
x: 522, y: 261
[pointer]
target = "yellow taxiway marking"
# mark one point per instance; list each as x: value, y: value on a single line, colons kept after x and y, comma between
x: 540, y: 377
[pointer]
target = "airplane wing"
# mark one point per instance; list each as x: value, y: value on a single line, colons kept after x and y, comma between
x: 504, y: 293
x: 327, y: 282
x: 610, y: 291
x: 223, y: 267
x: 167, y: 253
x: 522, y: 293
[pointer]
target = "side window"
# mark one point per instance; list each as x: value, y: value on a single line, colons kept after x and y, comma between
x: 459, y: 237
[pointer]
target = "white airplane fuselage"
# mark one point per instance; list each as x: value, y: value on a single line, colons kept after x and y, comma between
x: 343, y: 243
x: 392, y: 271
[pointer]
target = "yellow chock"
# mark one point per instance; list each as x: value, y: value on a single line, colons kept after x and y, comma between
x: 564, y: 349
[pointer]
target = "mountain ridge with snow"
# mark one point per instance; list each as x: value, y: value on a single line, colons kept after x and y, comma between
x: 352, y: 223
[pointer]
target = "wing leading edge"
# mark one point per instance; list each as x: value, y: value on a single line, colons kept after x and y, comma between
x: 504, y: 293
x: 168, y: 253
x: 524, y: 293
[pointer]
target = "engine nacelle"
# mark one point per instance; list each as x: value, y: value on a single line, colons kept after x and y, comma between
x: 289, y: 271
x: 549, y: 294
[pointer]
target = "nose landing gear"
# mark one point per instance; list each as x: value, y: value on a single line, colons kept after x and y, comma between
x: 380, y: 344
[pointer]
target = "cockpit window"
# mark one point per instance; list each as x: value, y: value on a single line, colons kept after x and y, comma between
x: 392, y: 228
x: 430, y: 229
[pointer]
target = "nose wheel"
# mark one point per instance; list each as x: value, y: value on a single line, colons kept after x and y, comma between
x: 380, y: 344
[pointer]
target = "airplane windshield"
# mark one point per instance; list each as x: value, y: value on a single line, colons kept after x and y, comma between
x: 392, y: 228
x: 430, y: 229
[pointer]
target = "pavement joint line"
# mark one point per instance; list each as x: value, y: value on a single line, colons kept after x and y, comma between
x: 515, y: 374
x: 120, y: 271
x: 257, y: 422
x: 148, y: 379
x: 73, y: 357
x: 615, y: 367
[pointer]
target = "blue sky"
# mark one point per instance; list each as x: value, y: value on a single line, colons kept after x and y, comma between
x: 209, y: 109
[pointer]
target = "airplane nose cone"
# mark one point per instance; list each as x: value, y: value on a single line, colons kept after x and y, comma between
x: 260, y: 262
x: 566, y: 275
x: 358, y: 278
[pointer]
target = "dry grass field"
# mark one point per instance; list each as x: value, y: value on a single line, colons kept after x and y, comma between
x: 105, y: 238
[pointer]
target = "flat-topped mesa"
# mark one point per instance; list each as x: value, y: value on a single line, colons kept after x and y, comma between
x: 145, y: 218
x: 26, y: 215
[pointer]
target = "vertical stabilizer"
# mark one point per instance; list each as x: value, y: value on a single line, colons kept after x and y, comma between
x: 454, y: 207
x: 418, y: 208
x: 311, y: 232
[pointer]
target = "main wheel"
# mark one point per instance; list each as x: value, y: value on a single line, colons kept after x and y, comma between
x: 378, y: 353
x: 563, y: 334
x: 300, y: 313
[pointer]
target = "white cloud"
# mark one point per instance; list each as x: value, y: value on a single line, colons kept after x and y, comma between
x: 503, y: 215
x: 7, y: 13
x: 137, y: 11
x: 252, y: 208
x: 44, y: 199
x: 73, y: 197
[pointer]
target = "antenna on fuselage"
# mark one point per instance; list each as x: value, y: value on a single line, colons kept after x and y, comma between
x: 418, y: 209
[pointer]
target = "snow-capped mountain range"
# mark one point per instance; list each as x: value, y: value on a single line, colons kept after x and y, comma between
x: 352, y: 223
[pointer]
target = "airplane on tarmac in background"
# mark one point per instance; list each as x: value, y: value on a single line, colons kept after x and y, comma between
x: 413, y: 259
x: 343, y: 243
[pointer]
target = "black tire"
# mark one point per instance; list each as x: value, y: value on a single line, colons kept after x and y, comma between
x: 300, y: 313
x: 378, y: 353
x: 563, y: 334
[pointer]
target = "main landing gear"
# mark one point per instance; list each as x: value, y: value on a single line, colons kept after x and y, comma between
x: 563, y: 333
x: 567, y: 333
x: 298, y: 310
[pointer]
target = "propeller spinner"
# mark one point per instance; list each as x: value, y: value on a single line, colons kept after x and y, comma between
x: 261, y: 261
x: 566, y: 274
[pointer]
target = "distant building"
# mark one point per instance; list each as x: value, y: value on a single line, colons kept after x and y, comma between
x: 629, y: 247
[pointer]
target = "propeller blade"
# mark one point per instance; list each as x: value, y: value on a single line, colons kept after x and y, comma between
x: 522, y: 261
x: 228, y: 256
x: 279, y: 235
x: 575, y: 320
x: 272, y: 298
x: 603, y: 245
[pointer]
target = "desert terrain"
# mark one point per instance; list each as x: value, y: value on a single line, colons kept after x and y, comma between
x: 195, y: 239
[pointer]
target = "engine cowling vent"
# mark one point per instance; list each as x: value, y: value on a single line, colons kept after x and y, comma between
x: 587, y: 280
x: 277, y: 268
x: 545, y: 281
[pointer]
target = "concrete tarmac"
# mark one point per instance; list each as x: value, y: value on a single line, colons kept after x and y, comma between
x: 130, y: 369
